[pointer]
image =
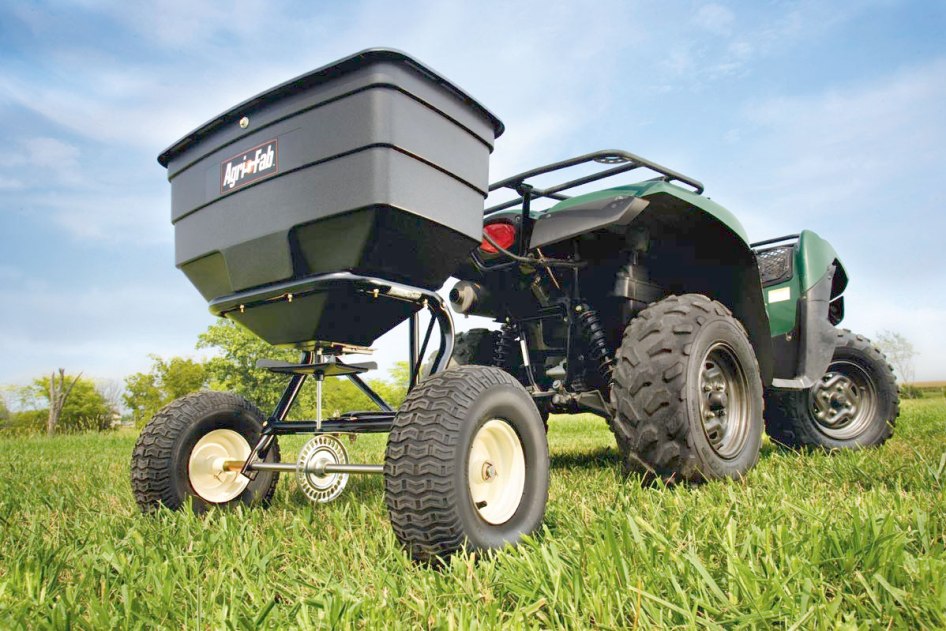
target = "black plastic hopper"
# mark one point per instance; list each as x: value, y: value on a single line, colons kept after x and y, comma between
x: 374, y: 165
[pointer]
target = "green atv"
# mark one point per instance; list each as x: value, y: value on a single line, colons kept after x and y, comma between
x: 646, y: 304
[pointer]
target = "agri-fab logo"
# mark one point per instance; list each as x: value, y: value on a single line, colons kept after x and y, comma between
x: 251, y: 165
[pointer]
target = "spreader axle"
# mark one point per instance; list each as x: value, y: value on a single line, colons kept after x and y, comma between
x: 287, y: 467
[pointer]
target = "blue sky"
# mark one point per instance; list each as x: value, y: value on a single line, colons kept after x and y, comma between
x: 822, y: 115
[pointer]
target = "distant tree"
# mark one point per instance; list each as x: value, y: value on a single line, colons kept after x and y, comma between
x: 59, y: 391
x: 168, y: 379
x: 142, y: 396
x: 87, y: 409
x: 394, y: 389
x: 83, y: 409
x: 27, y: 421
x: 111, y: 390
x: 234, y: 367
x: 900, y: 353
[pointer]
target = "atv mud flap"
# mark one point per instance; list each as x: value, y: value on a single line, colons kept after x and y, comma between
x: 807, y: 349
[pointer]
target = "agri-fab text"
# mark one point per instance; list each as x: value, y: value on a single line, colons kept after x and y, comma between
x: 256, y: 163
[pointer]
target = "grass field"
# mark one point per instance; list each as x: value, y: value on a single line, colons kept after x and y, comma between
x: 807, y: 540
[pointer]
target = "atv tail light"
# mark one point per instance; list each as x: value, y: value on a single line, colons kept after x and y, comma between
x: 504, y: 234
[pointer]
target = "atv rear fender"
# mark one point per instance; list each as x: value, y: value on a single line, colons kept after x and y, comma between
x: 695, y: 246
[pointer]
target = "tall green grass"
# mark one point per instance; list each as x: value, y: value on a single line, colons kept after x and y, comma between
x: 805, y: 541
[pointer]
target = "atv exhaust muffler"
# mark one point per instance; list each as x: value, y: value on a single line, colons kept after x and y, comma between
x: 470, y: 298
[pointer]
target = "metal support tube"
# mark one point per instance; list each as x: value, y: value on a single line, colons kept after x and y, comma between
x: 415, y: 373
x: 525, y: 220
x: 524, y: 348
x: 376, y: 423
x: 375, y: 469
x: 288, y: 467
x: 413, y: 362
x: 319, y: 378
x: 371, y: 394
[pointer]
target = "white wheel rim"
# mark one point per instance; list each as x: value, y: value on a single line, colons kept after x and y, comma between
x: 205, y: 468
x: 496, y: 471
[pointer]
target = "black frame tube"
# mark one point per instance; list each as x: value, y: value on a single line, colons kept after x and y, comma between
x: 412, y: 359
x: 371, y: 394
x: 787, y: 237
x: 419, y: 364
x: 360, y: 423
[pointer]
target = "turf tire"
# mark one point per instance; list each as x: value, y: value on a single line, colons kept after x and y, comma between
x: 426, y: 477
x: 159, y: 462
x: 478, y: 347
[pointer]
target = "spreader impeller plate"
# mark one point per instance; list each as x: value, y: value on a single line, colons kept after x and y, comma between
x: 315, y: 454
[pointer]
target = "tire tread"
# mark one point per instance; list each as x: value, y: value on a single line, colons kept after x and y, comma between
x: 151, y: 460
x: 422, y: 451
x: 648, y: 392
x: 785, y: 421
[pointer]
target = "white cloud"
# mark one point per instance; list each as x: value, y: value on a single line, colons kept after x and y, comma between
x: 10, y: 184
x: 40, y: 161
x: 715, y: 18
x: 833, y: 151
x: 50, y: 152
x: 717, y: 44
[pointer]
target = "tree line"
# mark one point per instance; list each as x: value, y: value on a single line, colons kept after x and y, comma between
x: 64, y: 403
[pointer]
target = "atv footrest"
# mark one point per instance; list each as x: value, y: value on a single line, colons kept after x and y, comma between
x: 328, y: 367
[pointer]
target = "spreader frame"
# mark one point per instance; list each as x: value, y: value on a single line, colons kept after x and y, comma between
x: 324, y: 356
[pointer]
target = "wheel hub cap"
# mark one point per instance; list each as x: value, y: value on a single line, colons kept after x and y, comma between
x: 724, y: 401
x: 843, y: 402
x: 496, y: 471
x: 205, y: 467
x: 315, y: 455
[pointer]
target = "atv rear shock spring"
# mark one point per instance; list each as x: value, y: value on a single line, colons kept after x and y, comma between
x: 506, y: 345
x: 597, y: 341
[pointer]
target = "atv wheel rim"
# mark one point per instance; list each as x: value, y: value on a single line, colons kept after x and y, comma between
x: 724, y: 401
x: 496, y: 471
x: 205, y: 468
x: 843, y: 402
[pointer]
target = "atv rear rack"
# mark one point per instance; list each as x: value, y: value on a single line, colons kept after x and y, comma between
x: 624, y: 160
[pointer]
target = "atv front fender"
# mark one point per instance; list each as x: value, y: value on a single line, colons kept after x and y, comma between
x: 803, y: 306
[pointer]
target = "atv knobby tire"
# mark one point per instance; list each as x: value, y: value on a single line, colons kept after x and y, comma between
x: 791, y: 415
x: 474, y: 347
x: 431, y: 453
x: 660, y: 393
x: 160, y: 474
